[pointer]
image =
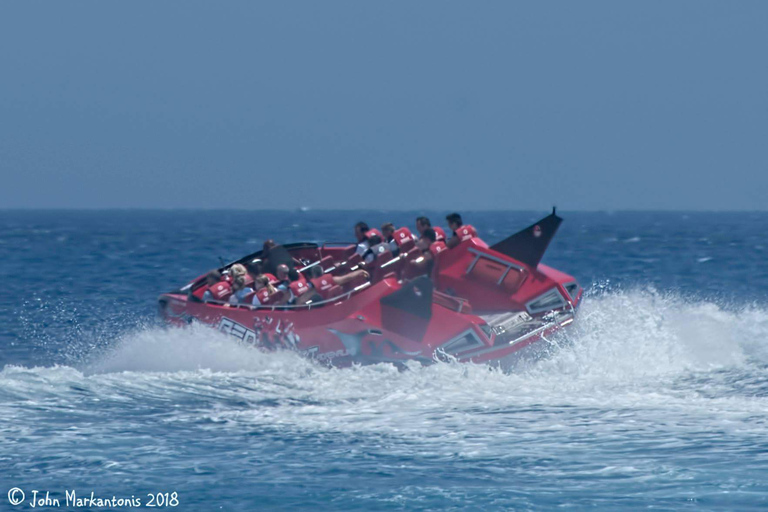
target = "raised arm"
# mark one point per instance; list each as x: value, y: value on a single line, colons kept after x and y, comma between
x: 342, y: 280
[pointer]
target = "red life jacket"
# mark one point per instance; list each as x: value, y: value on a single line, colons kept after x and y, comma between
x: 323, y: 285
x: 263, y: 295
x: 439, y: 233
x: 401, y: 236
x: 221, y: 291
x: 436, y: 248
x: 466, y: 232
x: 298, y: 288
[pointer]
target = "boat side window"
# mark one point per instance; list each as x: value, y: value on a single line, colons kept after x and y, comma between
x: 490, y: 271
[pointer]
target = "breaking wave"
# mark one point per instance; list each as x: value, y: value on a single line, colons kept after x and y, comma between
x: 626, y: 348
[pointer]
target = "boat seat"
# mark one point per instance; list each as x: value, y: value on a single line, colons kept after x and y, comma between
x: 199, y: 292
x: 327, y: 263
x: 353, y: 260
x: 375, y: 268
x: 346, y: 266
x: 273, y: 298
x: 354, y: 283
x: 393, y: 266
x: 407, y: 245
x: 335, y: 291
x: 411, y: 254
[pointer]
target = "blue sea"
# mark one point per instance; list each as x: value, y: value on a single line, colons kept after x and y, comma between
x: 656, y: 398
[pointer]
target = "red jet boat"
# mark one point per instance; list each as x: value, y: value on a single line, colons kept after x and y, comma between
x: 480, y: 304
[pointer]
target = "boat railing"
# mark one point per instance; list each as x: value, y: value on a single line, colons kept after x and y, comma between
x: 346, y: 244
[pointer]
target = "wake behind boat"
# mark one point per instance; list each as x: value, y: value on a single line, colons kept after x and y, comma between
x: 472, y: 302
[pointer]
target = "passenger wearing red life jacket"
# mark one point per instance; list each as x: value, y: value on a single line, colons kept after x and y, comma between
x: 298, y: 287
x: 461, y: 232
x: 240, y: 290
x: 361, y: 235
x: 320, y: 284
x: 264, y: 290
x: 284, y: 284
x: 430, y: 247
x: 377, y: 246
x: 204, y: 292
x: 220, y: 292
x: 423, y: 223
x: 388, y: 232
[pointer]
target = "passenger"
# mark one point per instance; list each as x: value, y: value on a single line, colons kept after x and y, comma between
x: 461, y: 231
x: 264, y: 290
x: 285, y: 276
x: 239, y: 289
x: 238, y: 269
x: 376, y: 249
x: 361, y: 234
x: 282, y: 276
x: 254, y: 269
x: 297, y: 286
x: 211, y: 278
x: 424, y: 264
x: 320, y: 283
x: 266, y: 264
x: 423, y: 223
x: 388, y: 230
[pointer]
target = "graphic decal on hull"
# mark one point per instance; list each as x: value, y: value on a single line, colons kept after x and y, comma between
x: 353, y: 344
x: 239, y: 331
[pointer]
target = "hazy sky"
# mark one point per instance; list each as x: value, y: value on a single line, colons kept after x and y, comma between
x: 444, y: 105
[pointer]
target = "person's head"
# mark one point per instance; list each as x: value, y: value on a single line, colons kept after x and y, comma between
x: 454, y: 221
x: 269, y: 244
x: 293, y: 275
x: 238, y: 282
x: 361, y: 228
x: 282, y: 271
x: 428, y: 237
x: 212, y: 277
x: 374, y: 239
x: 387, y: 230
x: 238, y: 269
x: 316, y: 271
x: 422, y: 223
x: 260, y: 282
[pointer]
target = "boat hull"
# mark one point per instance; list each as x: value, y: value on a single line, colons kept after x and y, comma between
x: 365, y: 330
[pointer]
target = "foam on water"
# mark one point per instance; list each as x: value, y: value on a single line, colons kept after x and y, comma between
x: 673, y: 392
x: 627, y: 349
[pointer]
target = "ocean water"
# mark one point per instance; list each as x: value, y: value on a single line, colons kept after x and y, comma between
x: 657, y: 398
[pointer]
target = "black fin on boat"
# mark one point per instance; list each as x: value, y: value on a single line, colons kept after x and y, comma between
x: 408, y: 311
x: 415, y: 298
x: 530, y: 244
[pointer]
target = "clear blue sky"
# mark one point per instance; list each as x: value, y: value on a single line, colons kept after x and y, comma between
x: 444, y: 105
